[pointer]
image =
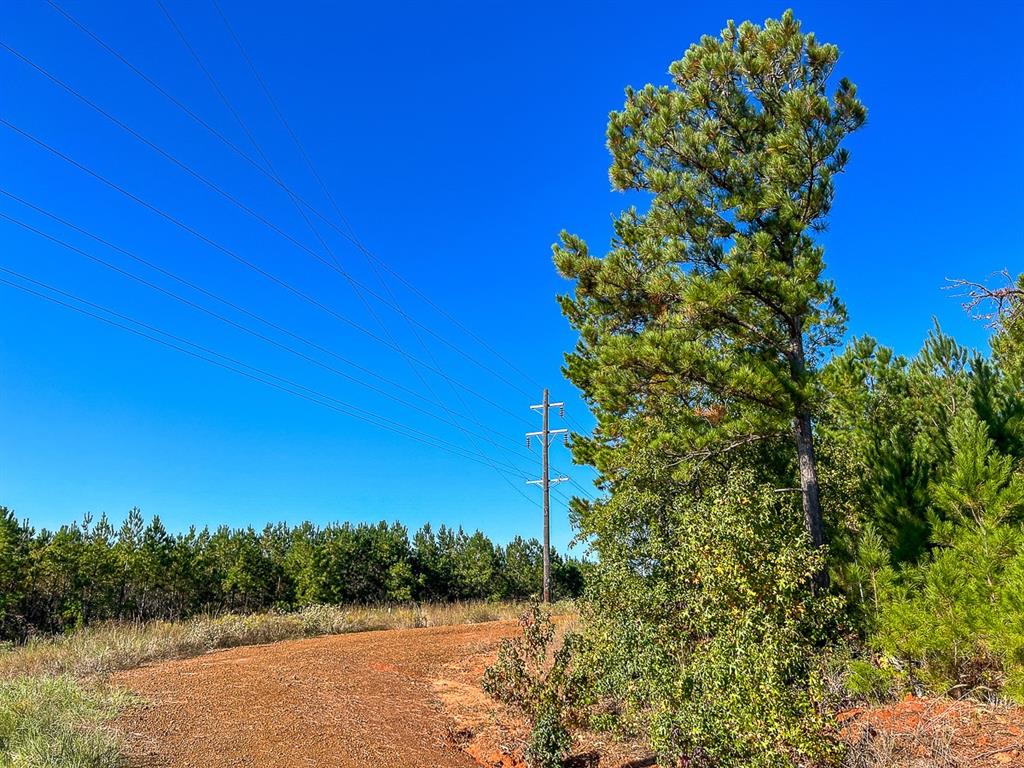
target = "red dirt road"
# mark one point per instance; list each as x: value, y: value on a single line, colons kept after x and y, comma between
x: 349, y: 701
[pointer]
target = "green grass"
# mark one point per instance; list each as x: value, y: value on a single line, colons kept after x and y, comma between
x: 58, y: 722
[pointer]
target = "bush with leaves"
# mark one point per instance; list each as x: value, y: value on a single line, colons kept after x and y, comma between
x: 703, y: 628
x: 542, y: 682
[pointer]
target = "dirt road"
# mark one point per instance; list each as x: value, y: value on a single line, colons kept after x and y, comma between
x: 351, y: 701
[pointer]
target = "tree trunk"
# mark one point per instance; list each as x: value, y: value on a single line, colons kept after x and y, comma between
x: 813, y: 520
x: 809, y: 478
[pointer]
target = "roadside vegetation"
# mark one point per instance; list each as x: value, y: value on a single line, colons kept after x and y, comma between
x: 86, y: 600
x: 789, y: 527
x: 792, y: 525
x: 47, y: 722
x: 104, y: 648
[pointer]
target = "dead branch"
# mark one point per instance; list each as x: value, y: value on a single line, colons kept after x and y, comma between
x: 992, y: 305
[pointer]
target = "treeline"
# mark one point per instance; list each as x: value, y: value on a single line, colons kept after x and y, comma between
x: 52, y: 581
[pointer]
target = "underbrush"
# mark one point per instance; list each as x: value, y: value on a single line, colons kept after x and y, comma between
x: 950, y: 623
x: 105, y: 648
x: 51, y: 722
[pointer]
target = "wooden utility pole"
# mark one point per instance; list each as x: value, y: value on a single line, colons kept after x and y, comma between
x: 546, y: 481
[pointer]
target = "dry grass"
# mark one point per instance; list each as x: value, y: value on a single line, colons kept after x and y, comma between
x: 105, y: 648
x: 922, y: 748
x: 933, y: 733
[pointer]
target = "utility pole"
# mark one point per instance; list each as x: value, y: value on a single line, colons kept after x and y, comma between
x: 546, y: 481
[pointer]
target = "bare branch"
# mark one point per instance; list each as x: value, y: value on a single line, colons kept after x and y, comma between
x: 993, y: 305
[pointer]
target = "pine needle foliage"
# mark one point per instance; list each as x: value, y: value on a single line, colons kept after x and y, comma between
x: 701, y: 332
x: 953, y: 621
x: 712, y: 304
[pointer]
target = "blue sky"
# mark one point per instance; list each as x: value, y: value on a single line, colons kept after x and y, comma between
x: 457, y: 139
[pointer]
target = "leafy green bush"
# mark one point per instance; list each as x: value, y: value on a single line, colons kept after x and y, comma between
x: 550, y: 740
x: 704, y: 632
x: 531, y: 675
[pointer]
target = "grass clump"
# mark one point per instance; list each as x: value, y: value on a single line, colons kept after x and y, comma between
x: 57, y: 722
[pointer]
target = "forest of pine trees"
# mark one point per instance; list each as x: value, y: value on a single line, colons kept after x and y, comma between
x: 52, y: 581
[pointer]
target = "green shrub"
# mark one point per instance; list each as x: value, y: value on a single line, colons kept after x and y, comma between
x: 704, y: 631
x: 873, y: 681
x: 550, y: 740
x: 540, y: 681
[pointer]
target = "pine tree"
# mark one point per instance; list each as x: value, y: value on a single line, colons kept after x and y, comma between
x: 1008, y: 344
x: 706, y: 318
x: 14, y: 539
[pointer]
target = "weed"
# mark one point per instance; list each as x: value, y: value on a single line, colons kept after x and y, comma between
x: 540, y: 681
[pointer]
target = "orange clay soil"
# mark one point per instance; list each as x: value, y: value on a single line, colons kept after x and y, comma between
x: 928, y: 733
x: 411, y: 698
x: 359, y: 700
x: 408, y: 698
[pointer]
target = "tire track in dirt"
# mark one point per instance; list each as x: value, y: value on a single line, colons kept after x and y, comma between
x: 348, y: 701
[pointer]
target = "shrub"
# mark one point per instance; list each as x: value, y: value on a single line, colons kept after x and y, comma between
x: 705, y: 633
x: 540, y: 681
x: 873, y: 680
x: 954, y: 619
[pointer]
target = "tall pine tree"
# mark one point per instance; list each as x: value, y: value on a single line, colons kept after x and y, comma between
x: 711, y: 305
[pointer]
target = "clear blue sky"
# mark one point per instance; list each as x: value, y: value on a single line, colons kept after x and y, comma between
x: 458, y: 139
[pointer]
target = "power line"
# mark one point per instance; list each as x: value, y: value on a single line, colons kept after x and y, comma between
x: 244, y: 155
x: 189, y: 284
x: 588, y: 493
x: 228, y: 321
x: 327, y: 193
x: 240, y: 259
x: 271, y: 173
x: 199, y: 289
x: 335, y: 265
x: 394, y: 302
x: 356, y: 285
x: 237, y: 366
